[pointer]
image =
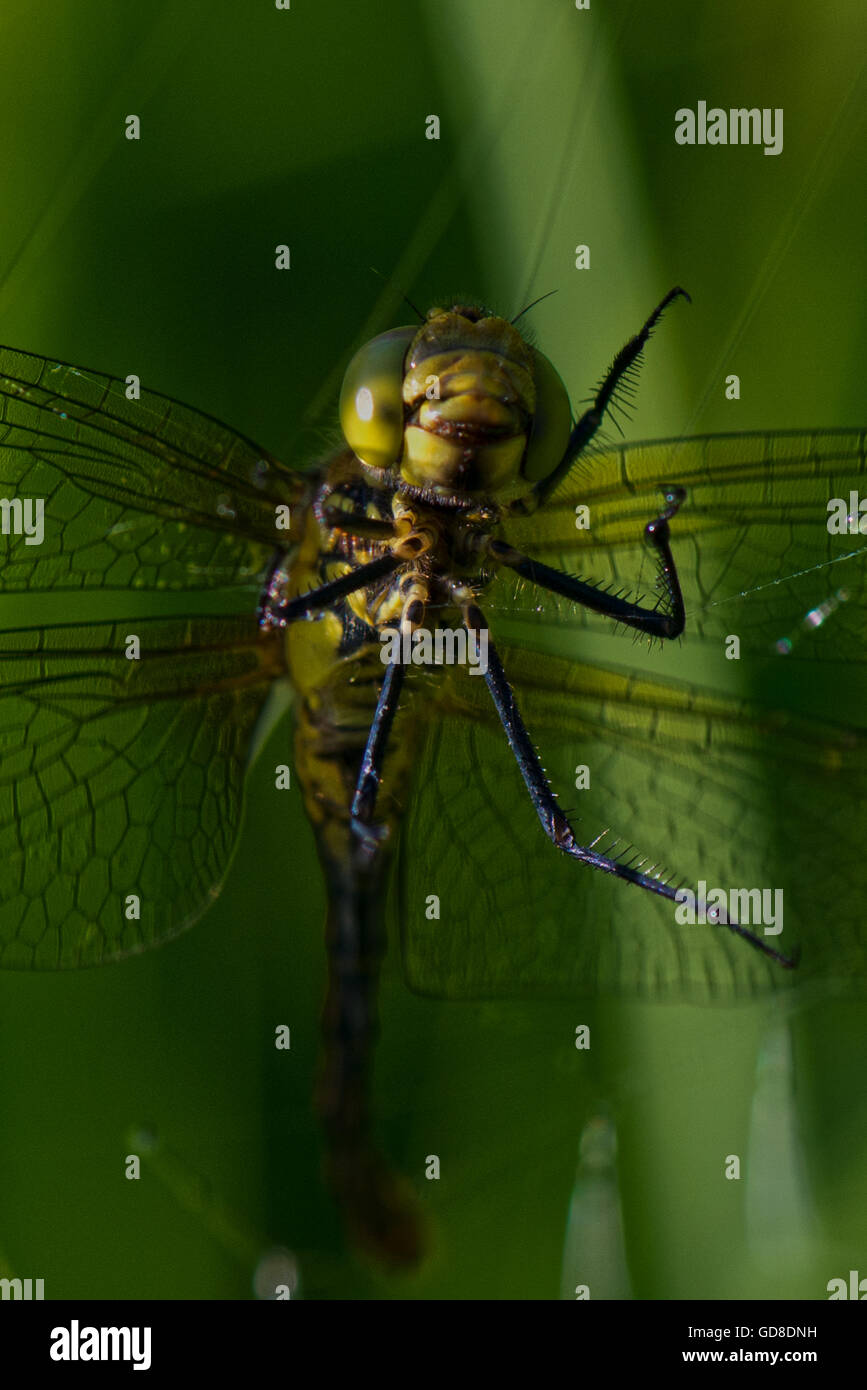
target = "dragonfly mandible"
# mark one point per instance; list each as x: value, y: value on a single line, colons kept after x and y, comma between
x: 124, y: 744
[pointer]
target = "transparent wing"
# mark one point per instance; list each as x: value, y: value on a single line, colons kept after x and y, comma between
x: 714, y: 789
x: 146, y: 493
x: 755, y: 523
x: 121, y: 778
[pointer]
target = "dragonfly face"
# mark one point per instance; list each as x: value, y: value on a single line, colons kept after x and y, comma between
x: 462, y: 405
x: 125, y: 742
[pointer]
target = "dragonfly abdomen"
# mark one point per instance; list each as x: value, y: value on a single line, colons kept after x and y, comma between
x: 378, y: 1203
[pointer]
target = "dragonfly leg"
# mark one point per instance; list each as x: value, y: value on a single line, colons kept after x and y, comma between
x: 370, y: 771
x: 337, y: 518
x: 276, y: 613
x: 553, y: 819
x: 590, y: 421
x: 355, y: 524
x: 416, y: 595
x: 665, y: 621
x: 409, y: 540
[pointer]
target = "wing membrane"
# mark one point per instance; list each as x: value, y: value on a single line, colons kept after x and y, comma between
x: 713, y: 788
x: 121, y: 777
x: 751, y: 542
x: 146, y: 493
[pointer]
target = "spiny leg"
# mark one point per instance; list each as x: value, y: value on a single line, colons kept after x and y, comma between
x: 407, y: 541
x: 590, y: 421
x: 333, y: 517
x: 274, y: 613
x: 370, y: 771
x: 363, y: 806
x: 664, y: 622
x: 356, y: 525
x: 554, y: 821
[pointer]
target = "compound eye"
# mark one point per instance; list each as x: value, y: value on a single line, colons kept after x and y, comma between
x: 371, y: 398
x: 552, y: 422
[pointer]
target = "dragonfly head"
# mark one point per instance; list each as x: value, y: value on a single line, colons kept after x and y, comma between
x: 461, y: 404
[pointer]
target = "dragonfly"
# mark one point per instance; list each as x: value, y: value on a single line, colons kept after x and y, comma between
x: 456, y: 507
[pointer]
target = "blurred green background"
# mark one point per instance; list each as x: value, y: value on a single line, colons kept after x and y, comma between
x: 307, y: 127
